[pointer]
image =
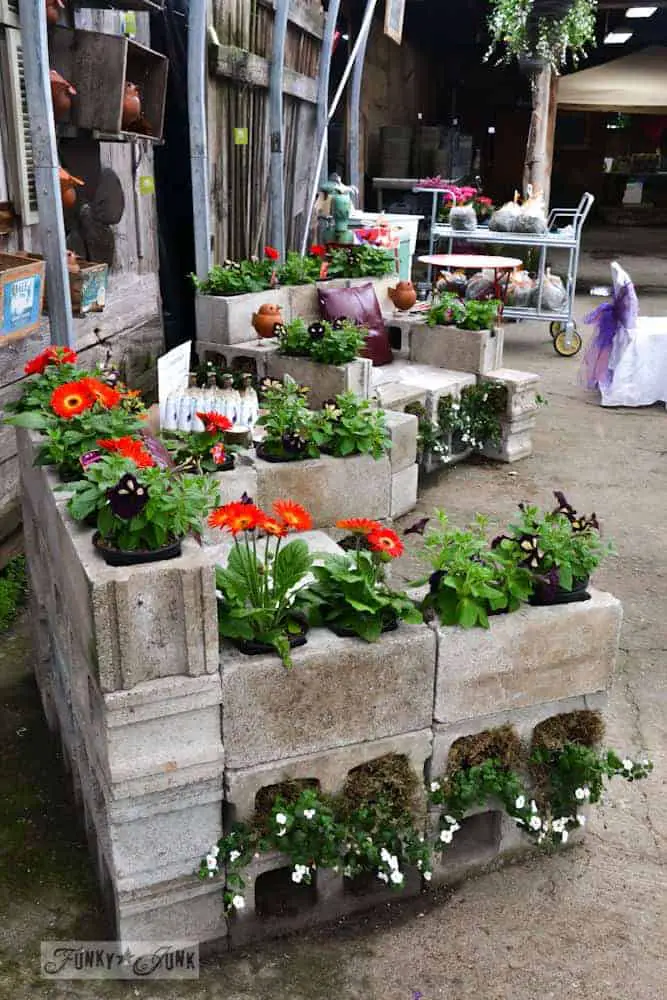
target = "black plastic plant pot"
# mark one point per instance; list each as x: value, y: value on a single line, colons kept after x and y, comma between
x: 227, y: 465
x: 545, y: 595
x: 347, y: 633
x: 125, y: 557
x: 284, y: 456
x: 530, y: 64
x: 68, y: 475
x: 250, y: 647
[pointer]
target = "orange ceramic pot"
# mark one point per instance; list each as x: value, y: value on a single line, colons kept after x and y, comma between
x: 68, y: 186
x: 53, y: 8
x: 62, y: 92
x: 131, y: 105
x: 72, y: 262
x: 266, y: 318
x: 403, y: 295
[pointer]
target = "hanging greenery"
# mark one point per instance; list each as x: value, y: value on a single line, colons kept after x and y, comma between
x: 544, y: 29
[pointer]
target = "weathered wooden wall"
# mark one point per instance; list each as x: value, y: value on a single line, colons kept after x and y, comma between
x: 238, y: 99
x: 130, y: 327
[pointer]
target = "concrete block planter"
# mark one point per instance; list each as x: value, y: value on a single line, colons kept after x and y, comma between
x: 181, y: 908
x: 529, y: 657
x: 249, y: 355
x: 330, y: 697
x: 521, y: 390
x: 476, y: 351
x: 516, y: 439
x: 404, y: 485
x: 324, y: 381
x: 227, y: 319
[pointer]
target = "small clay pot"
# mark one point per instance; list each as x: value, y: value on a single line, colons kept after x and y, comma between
x: 403, y: 295
x: 53, y: 9
x: 68, y: 186
x: 131, y: 105
x: 72, y: 262
x: 265, y: 319
x: 62, y: 92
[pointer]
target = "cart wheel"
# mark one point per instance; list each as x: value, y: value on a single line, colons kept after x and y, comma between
x: 556, y: 328
x: 565, y: 349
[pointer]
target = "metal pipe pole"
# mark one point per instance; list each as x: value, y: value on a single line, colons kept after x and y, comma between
x: 365, y: 25
x: 276, y: 178
x: 354, y: 115
x: 201, y: 206
x: 326, y: 52
x: 46, y: 164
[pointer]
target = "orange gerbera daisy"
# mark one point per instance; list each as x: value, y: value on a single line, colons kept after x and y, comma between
x: 70, y: 399
x: 293, y: 514
x: 50, y: 356
x: 359, y: 525
x: 236, y: 517
x: 385, y: 540
x: 214, y: 422
x: 129, y: 448
x: 272, y: 526
x: 102, y: 393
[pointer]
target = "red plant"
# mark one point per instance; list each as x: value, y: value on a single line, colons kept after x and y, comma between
x: 70, y: 399
x: 236, y: 517
x: 215, y: 422
x: 50, y: 356
x: 218, y: 454
x: 272, y: 526
x: 385, y: 540
x: 317, y: 251
x: 271, y: 253
x: 130, y: 448
x: 293, y: 514
x: 102, y: 393
x: 359, y: 525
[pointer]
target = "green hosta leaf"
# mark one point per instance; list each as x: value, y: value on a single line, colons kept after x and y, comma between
x: 290, y: 566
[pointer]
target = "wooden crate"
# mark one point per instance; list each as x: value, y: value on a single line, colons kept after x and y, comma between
x: 98, y: 67
x: 21, y: 296
x: 88, y: 288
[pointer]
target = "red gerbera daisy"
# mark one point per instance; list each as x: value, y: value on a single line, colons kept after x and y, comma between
x: 385, y: 540
x: 214, y: 422
x: 50, y: 356
x: 235, y: 517
x: 70, y: 399
x: 359, y: 525
x: 102, y: 393
x: 129, y: 448
x: 317, y: 251
x: 271, y: 253
x: 293, y: 514
x: 272, y: 526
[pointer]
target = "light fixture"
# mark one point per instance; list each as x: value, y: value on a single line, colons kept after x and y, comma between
x: 640, y: 11
x: 491, y: 130
x: 345, y: 38
x: 617, y: 37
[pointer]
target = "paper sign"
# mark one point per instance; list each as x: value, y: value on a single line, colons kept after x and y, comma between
x: 146, y: 184
x: 129, y: 22
x: 172, y: 374
x: 240, y: 136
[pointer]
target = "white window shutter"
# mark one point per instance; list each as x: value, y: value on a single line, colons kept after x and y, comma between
x: 24, y: 188
x: 9, y: 13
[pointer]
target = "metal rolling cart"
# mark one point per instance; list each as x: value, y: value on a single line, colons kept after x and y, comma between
x: 564, y: 227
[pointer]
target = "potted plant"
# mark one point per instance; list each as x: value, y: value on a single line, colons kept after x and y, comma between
x: 544, y: 30
x: 473, y: 420
x: 350, y: 595
x: 287, y: 422
x: 240, y: 277
x: 257, y: 590
x: 479, y: 315
x: 363, y: 261
x: 202, y: 451
x: 470, y: 579
x: 329, y: 343
x: 298, y: 270
x: 142, y: 510
x: 348, y: 425
x: 559, y: 549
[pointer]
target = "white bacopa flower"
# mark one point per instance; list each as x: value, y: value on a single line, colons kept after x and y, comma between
x: 520, y: 802
x: 451, y: 821
x: 396, y: 877
x: 579, y: 794
x: 533, y: 806
x: 215, y: 850
x: 384, y: 854
x: 446, y: 836
x: 535, y: 823
x: 281, y: 819
x: 587, y: 792
x: 419, y: 864
x: 564, y: 835
x: 540, y: 838
x: 435, y: 786
x: 383, y: 876
x: 581, y: 819
x: 211, y: 862
x: 234, y: 856
x: 521, y: 822
x: 420, y: 838
x: 309, y: 813
x: 645, y: 762
x: 296, y: 876
x: 219, y: 594
x: 211, y: 874
x: 238, y: 902
x: 393, y: 863
x: 627, y: 764
x: 428, y: 876
x: 558, y: 825
x: 282, y: 832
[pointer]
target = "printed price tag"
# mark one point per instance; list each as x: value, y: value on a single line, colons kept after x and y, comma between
x: 240, y: 136
x: 146, y: 184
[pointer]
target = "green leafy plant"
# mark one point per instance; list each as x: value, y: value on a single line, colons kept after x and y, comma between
x: 447, y: 310
x: 65, y: 441
x: 350, y: 593
x: 237, y: 277
x: 257, y: 589
x: 472, y: 420
x: 288, y: 422
x: 13, y: 588
x: 470, y: 580
x: 330, y: 343
x: 429, y: 438
x: 479, y: 315
x: 349, y: 425
x: 298, y: 270
x: 203, y: 451
x: 517, y: 29
x: 362, y: 261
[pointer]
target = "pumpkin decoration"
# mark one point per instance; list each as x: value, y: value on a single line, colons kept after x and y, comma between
x: 68, y: 186
x: 131, y: 105
x: 62, y: 92
x: 403, y: 295
x: 53, y: 9
x: 266, y: 318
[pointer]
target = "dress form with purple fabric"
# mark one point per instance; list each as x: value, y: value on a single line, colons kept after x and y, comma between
x: 613, y: 320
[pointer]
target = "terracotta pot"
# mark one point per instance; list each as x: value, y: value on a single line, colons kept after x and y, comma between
x: 266, y: 318
x: 68, y: 185
x: 72, y: 262
x: 131, y: 105
x: 403, y: 295
x: 62, y: 92
x: 53, y: 9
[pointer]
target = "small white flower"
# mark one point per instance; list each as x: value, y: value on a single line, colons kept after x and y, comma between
x: 540, y: 838
x: 219, y: 594
x: 296, y: 876
x: 282, y: 832
x: 238, y: 902
x: 420, y: 838
x: 309, y: 813
x: 396, y: 877
x: 564, y: 835
x: 211, y: 862
x: 535, y: 823
x: 428, y: 876
x: 393, y: 863
x: 454, y: 827
x: 281, y: 819
x: 587, y: 792
x: 215, y: 850
x: 558, y: 825
x: 336, y: 869
x: 419, y: 864
x: 520, y: 802
x: 533, y: 806
x: 645, y: 762
x: 446, y: 836
x: 383, y: 876
x: 579, y: 794
x: 627, y: 764
x: 234, y: 856
x: 451, y: 821
x: 384, y: 854
x: 211, y: 874
x: 581, y: 819
x: 435, y: 786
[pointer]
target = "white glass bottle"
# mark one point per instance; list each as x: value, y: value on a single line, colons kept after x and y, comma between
x: 231, y: 399
x: 249, y: 404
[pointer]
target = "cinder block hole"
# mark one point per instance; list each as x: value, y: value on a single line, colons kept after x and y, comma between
x: 217, y: 359
x: 276, y: 895
x: 395, y: 337
x: 365, y: 884
x: 501, y: 743
x: 390, y: 778
x: 477, y: 840
x: 242, y: 363
x: 287, y: 790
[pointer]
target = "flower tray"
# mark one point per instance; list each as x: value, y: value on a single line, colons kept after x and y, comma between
x: 122, y: 557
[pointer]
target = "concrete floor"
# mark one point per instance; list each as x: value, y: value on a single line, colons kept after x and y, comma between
x: 590, y: 922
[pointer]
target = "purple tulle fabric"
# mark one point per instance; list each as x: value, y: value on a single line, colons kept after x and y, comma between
x: 610, y: 318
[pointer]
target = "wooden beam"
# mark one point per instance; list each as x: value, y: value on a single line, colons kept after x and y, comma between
x: 537, y: 166
x: 245, y: 67
x: 303, y: 14
x: 326, y: 51
x: 276, y: 129
x: 354, y: 109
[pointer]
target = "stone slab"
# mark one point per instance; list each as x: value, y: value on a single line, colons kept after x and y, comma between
x: 222, y: 319
x: 397, y: 395
x: 476, y: 351
x: 334, y: 695
x: 403, y: 429
x: 529, y: 657
x: 324, y: 381
x: 404, y: 486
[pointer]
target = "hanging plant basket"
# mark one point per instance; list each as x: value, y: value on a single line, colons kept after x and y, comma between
x: 530, y: 64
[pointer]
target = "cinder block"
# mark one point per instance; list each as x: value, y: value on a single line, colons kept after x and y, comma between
x: 404, y: 486
x: 227, y: 319
x: 324, y: 381
x: 403, y: 429
x: 329, y: 768
x: 516, y: 440
x: 458, y: 350
x: 475, y: 846
x: 328, y: 487
x: 399, y: 326
x: 334, y: 695
x: 450, y: 383
x: 397, y: 395
x: 521, y: 390
x: 230, y: 356
x: 304, y: 302
x: 184, y: 909
x: 529, y: 657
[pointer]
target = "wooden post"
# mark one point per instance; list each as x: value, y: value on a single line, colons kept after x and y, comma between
x: 551, y: 136
x: 326, y: 52
x: 537, y: 165
x: 276, y: 179
x: 45, y: 158
x: 201, y: 209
